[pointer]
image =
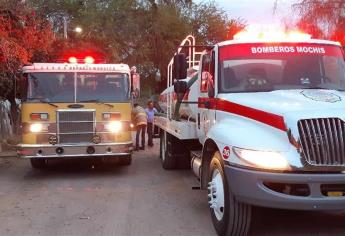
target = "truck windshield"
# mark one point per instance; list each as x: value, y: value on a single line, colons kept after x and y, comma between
x: 77, y: 87
x: 266, y: 67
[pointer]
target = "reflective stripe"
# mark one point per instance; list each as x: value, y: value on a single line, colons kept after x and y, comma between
x: 140, y: 113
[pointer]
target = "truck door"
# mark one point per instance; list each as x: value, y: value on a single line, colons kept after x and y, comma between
x: 206, y: 115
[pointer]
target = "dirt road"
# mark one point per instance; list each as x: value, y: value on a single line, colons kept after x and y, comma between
x: 72, y: 198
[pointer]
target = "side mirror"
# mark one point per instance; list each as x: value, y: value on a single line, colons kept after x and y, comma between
x: 180, y: 66
x: 206, y: 61
x: 180, y: 87
x: 135, y: 81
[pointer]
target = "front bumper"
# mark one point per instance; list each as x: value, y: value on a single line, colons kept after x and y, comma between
x: 250, y: 186
x: 74, y: 150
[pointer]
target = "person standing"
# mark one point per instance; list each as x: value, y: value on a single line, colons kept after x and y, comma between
x: 139, y: 118
x: 150, y: 111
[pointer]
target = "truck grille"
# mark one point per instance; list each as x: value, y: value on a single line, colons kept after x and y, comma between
x: 75, y: 126
x: 323, y: 141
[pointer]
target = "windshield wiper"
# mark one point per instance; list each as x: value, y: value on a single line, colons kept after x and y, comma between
x: 43, y: 101
x: 98, y: 102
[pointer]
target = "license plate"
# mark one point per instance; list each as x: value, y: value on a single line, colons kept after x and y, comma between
x: 335, y: 194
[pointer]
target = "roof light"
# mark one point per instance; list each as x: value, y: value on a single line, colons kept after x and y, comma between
x: 298, y: 36
x: 89, y: 60
x: 73, y: 60
x: 272, y: 36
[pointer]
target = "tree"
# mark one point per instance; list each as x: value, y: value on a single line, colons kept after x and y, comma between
x: 209, y: 23
x: 23, y: 37
x: 144, y: 33
x: 321, y: 18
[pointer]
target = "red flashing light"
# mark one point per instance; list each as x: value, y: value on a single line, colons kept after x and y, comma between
x: 89, y: 60
x: 73, y: 60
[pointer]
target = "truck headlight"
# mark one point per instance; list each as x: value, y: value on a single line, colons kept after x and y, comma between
x: 114, y: 126
x: 36, y: 128
x: 263, y: 159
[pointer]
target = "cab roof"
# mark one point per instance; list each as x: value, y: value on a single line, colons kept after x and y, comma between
x: 255, y: 40
x: 66, y: 67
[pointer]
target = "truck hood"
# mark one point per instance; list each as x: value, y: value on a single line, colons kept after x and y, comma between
x: 293, y: 105
x: 281, y: 102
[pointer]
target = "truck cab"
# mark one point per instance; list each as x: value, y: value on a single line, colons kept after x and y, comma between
x: 74, y: 110
x: 265, y: 127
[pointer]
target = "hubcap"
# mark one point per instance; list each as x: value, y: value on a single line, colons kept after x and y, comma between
x: 216, y: 194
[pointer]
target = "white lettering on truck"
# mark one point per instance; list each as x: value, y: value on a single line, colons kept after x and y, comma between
x: 317, y: 50
x: 288, y: 49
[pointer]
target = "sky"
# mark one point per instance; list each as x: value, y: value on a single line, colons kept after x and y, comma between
x: 255, y: 12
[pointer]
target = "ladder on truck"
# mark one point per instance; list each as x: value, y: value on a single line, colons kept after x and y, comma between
x: 188, y: 47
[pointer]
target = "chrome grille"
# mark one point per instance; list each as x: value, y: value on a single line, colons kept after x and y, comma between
x: 322, y: 141
x: 75, y: 126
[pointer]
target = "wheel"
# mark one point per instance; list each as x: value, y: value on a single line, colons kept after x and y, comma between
x: 38, y: 163
x: 127, y: 160
x: 229, y: 217
x: 167, y: 158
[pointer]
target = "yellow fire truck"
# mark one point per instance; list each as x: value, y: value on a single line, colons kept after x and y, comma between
x: 76, y: 110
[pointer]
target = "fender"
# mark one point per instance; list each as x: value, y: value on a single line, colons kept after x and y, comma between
x: 244, y: 133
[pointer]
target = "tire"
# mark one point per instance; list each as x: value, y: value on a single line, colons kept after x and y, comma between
x: 229, y: 216
x: 165, y: 153
x: 127, y: 160
x: 38, y: 163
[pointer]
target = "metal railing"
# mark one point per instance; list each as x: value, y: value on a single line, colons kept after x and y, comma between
x: 193, y: 58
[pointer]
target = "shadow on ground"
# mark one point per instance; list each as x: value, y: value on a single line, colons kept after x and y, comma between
x: 78, y: 168
x: 287, y: 222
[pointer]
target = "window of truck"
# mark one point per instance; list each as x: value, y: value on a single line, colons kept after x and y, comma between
x: 70, y: 87
x: 262, y: 67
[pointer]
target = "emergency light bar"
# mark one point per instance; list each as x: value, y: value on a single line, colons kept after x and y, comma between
x: 49, y: 67
x: 87, y: 60
x: 272, y: 36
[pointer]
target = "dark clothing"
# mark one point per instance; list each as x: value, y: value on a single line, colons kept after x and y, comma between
x: 142, y: 129
x: 150, y: 133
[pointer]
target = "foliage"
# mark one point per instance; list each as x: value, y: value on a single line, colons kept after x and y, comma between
x: 23, y: 37
x: 209, y: 23
x: 322, y: 18
x: 144, y: 33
